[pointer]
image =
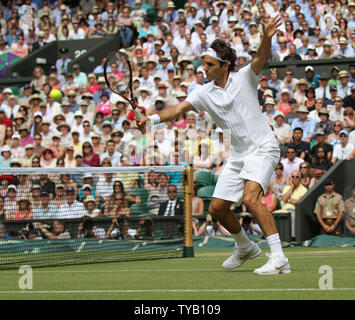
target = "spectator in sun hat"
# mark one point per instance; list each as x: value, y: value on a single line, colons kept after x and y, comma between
x: 25, y: 135
x: 344, y: 89
x: 307, y: 124
x: 345, y: 50
x: 325, y: 124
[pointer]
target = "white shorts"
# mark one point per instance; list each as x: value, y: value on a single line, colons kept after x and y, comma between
x: 257, y: 166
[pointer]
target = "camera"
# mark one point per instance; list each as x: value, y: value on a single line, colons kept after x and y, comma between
x: 247, y: 221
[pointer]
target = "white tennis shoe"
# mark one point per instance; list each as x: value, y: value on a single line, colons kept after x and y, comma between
x: 275, y: 265
x: 240, y: 256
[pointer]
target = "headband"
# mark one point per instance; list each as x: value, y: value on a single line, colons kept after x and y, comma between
x: 212, y: 53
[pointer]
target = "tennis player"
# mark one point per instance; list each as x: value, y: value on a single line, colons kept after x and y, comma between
x: 231, y: 99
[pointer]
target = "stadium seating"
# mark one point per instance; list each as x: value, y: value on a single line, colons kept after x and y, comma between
x: 205, y: 193
x: 139, y: 209
x: 142, y: 193
x: 203, y: 178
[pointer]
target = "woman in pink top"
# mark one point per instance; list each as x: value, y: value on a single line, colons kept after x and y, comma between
x: 20, y: 48
x: 269, y: 199
x: 105, y: 105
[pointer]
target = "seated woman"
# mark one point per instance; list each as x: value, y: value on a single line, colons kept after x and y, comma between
x: 118, y: 189
x: 321, y: 158
x: 269, y: 199
x: 197, y: 204
x: 279, y: 181
x: 120, y: 207
x: 204, y: 160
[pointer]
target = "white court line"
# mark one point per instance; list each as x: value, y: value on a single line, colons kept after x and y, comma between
x: 172, y: 290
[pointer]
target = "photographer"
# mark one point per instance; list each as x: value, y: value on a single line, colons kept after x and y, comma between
x: 246, y: 221
x: 87, y: 229
x: 210, y: 227
x: 57, y: 231
x: 29, y: 232
x: 120, y: 229
x: 145, y: 229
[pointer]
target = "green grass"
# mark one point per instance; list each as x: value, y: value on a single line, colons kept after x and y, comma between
x: 198, y: 278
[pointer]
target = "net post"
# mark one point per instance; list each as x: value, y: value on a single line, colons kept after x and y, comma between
x: 187, y: 183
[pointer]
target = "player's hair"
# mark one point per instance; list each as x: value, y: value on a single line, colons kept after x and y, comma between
x: 225, y: 52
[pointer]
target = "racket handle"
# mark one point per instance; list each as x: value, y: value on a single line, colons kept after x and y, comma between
x: 137, y: 113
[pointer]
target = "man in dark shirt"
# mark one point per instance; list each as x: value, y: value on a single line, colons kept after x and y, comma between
x: 349, y: 101
x: 292, y: 55
x: 302, y: 148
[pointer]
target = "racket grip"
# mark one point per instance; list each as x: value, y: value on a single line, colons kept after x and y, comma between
x: 137, y: 113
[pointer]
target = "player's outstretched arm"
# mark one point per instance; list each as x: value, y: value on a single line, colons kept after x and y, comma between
x: 168, y: 113
x: 263, y: 53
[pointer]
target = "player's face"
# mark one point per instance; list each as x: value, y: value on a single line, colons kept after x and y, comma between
x: 212, y: 68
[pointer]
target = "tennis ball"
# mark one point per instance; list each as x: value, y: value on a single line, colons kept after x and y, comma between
x: 55, y: 94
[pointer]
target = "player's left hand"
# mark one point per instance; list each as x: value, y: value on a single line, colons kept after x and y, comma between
x: 271, y: 28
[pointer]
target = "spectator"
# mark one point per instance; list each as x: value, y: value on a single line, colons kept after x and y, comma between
x: 90, y: 205
x: 345, y: 150
x: 3, y: 234
x: 87, y: 229
x: 125, y: 23
x: 269, y: 199
x: 302, y: 147
x: 349, y: 123
x: 344, y: 88
x: 325, y: 124
x: 120, y: 229
x: 300, y: 92
x: 349, y: 100
x: 338, y: 112
x: 279, y: 181
x: 329, y: 210
x: 71, y: 208
x: 210, y: 227
x: 197, y: 204
x: 292, y: 162
x: 349, y: 212
x: 46, y: 210
x: 334, y: 138
x: 57, y: 231
x: 307, y: 124
x: 311, y: 77
x: 48, y: 159
x: 89, y: 157
x: 306, y: 174
x: 146, y: 229
x: 290, y: 196
x: 24, y: 209
x: 159, y: 193
x: 172, y: 207
x: 203, y: 160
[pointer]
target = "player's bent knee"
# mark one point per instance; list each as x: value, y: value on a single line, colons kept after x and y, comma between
x: 218, y: 208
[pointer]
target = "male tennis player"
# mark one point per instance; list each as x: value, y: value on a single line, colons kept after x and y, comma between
x: 231, y: 99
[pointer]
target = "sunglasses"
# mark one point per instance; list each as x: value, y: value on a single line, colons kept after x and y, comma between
x: 305, y: 167
x: 295, y: 177
x: 171, y: 191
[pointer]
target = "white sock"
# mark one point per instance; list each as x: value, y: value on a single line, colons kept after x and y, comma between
x: 274, y: 243
x: 241, y: 239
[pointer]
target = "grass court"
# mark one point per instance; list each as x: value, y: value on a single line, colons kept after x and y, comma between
x: 198, y: 278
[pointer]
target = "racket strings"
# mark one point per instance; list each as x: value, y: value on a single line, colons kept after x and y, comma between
x: 119, y: 74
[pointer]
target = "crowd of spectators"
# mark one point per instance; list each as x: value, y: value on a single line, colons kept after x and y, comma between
x: 89, y: 126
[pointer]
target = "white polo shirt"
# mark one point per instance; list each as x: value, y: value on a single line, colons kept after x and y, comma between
x: 236, y: 108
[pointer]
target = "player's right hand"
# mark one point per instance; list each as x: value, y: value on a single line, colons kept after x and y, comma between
x: 142, y: 124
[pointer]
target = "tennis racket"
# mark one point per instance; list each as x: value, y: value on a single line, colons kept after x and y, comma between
x: 118, y: 77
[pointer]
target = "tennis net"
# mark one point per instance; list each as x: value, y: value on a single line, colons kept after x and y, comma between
x: 62, y: 216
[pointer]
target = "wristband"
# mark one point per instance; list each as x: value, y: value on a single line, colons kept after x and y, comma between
x: 154, y: 119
